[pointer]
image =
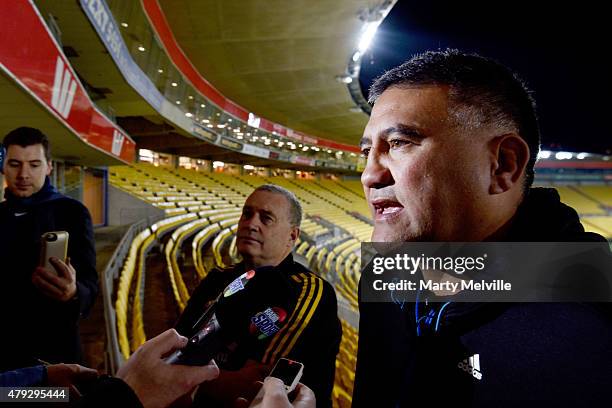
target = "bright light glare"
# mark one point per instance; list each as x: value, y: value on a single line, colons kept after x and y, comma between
x: 544, y: 154
x: 563, y: 155
x: 367, y: 36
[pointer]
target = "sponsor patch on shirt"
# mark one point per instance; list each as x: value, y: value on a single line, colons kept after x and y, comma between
x: 238, y: 284
x: 268, y: 322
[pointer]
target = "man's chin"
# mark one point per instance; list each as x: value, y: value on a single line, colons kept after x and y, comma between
x: 247, y: 248
x: 392, y: 235
x: 22, y: 193
x: 386, y: 235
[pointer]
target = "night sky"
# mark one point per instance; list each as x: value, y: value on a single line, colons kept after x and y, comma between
x: 561, y: 52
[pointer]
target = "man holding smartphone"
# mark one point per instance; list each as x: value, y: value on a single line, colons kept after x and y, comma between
x: 41, y: 306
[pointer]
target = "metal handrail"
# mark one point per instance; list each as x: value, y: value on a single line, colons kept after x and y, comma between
x: 113, y: 357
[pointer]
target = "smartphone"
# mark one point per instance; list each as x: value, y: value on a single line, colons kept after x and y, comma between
x: 288, y: 371
x: 53, y: 244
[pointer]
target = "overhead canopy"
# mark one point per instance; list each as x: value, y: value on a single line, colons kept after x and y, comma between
x: 278, y: 59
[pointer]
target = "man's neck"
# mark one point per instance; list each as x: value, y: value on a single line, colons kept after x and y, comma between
x: 252, y: 264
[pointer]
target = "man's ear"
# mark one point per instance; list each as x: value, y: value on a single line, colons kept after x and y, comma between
x: 49, y: 167
x: 510, y: 154
x: 295, y: 234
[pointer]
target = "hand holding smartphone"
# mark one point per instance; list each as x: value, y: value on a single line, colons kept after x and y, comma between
x: 53, y: 244
x: 288, y: 371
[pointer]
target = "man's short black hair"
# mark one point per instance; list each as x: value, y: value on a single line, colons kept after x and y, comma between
x: 27, y: 136
x: 481, y: 84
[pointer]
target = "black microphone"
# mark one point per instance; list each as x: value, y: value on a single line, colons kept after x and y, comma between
x: 249, y: 307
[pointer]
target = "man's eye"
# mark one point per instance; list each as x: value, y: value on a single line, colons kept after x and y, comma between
x: 365, y: 152
x: 395, y: 143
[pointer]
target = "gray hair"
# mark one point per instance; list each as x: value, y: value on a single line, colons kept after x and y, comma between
x: 295, y: 208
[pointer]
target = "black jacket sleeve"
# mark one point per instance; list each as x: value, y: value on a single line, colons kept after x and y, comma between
x: 383, y: 355
x: 109, y: 392
x: 318, y: 347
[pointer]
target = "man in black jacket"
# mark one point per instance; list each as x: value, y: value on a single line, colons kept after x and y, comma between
x: 309, y: 330
x: 451, y: 146
x: 41, y: 306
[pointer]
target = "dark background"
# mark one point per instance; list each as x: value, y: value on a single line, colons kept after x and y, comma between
x: 560, y: 50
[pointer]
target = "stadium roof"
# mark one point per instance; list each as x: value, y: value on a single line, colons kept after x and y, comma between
x: 279, y: 59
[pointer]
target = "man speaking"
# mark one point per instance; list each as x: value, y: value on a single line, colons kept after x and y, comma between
x: 451, y: 146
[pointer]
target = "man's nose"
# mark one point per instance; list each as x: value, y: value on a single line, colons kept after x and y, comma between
x: 376, y: 174
x: 250, y: 223
x: 23, y: 172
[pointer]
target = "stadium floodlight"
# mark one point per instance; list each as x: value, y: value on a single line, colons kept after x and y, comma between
x: 161, y: 71
x: 202, y: 105
x: 543, y: 154
x: 218, y: 164
x: 367, y: 35
x: 248, y: 167
x: 189, y: 114
x: 563, y: 155
x: 174, y: 84
x: 124, y: 24
x: 141, y: 48
x: 582, y: 156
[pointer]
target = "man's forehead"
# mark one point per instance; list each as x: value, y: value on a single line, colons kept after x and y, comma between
x: 418, y: 108
x: 31, y: 152
x: 267, y: 201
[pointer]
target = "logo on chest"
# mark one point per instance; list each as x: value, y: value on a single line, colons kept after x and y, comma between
x: 471, y: 365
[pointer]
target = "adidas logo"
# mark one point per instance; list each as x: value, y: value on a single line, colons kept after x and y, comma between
x: 64, y: 88
x: 118, y: 138
x: 472, y: 366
